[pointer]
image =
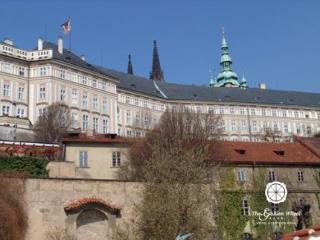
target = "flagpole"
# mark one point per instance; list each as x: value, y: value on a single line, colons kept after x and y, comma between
x: 70, y: 41
x: 70, y: 35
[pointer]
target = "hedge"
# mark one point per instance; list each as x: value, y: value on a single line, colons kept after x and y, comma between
x: 29, y: 165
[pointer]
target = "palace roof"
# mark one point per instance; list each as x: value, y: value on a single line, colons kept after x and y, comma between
x: 173, y: 91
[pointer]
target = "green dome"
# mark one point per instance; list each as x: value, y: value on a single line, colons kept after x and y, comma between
x: 226, y: 75
x: 225, y: 58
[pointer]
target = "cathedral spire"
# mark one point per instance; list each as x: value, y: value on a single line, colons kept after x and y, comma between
x: 130, y: 68
x: 227, y: 77
x: 156, y: 73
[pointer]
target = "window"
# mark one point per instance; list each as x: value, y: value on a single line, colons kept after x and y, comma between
x: 284, y: 113
x: 94, y: 83
x: 95, y: 124
x: 62, y: 74
x: 85, y: 122
x: 6, y: 89
x: 274, y: 208
x: 20, y: 92
x: 105, y: 125
x: 300, y: 176
x: 5, y: 110
x: 241, y: 176
x: 7, y: 67
x: 245, y: 207
x: 83, y: 159
x: 116, y: 159
x: 95, y: 102
x: 42, y: 92
x: 242, y: 111
x: 296, y: 114
x: 20, y: 112
x: 233, y: 125
x: 274, y: 113
x: 136, y: 101
x: 105, y: 105
x: 221, y: 110
x: 211, y: 110
x: 243, y: 125
x: 43, y: 71
x: 127, y: 99
x: 74, y: 120
x: 232, y: 111
x: 271, y: 176
x: 21, y: 71
x: 74, y: 97
x: 286, y: 128
x: 103, y: 86
x: 85, y: 101
x: 128, y: 117
x: 62, y: 93
x: 253, y: 111
x: 254, y: 126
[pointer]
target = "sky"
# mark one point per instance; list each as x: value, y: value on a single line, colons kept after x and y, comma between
x: 276, y: 42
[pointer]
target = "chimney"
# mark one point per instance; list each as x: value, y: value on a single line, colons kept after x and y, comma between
x: 8, y: 41
x: 40, y: 44
x: 262, y: 86
x: 83, y: 58
x: 60, y: 45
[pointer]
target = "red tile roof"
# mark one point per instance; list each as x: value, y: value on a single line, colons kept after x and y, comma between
x: 263, y: 153
x: 303, y: 234
x: 312, y: 143
x: 84, y: 202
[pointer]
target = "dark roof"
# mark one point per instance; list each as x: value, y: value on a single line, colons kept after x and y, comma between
x: 71, y: 58
x: 172, y: 91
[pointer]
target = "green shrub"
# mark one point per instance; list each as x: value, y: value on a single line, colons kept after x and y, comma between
x: 28, y: 165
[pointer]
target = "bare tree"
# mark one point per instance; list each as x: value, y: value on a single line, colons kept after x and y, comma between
x: 270, y: 135
x: 53, y: 123
x: 172, y: 161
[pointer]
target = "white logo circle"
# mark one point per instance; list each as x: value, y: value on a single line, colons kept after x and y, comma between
x: 276, y: 192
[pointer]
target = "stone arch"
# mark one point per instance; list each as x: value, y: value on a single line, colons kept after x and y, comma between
x: 91, y: 218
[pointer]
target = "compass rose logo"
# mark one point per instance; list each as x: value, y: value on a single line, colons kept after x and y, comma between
x: 276, y: 192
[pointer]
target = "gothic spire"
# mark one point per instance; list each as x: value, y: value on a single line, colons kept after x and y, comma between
x: 130, y: 68
x: 156, y: 73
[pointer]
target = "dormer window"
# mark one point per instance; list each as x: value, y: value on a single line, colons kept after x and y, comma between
x: 279, y: 152
x: 240, y: 151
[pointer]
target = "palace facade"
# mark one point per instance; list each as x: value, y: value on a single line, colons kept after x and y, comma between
x: 108, y: 101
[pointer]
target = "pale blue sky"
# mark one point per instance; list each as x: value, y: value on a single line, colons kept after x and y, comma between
x: 276, y: 42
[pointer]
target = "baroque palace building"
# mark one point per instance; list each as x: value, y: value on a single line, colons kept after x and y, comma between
x: 108, y: 101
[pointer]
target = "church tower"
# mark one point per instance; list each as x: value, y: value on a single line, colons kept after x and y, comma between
x: 156, y: 73
x: 227, y: 77
x: 130, y: 68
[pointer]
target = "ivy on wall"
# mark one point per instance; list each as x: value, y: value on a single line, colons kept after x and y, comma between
x: 230, y: 221
x: 28, y: 165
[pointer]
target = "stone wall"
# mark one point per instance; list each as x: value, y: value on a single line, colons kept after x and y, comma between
x: 46, y: 199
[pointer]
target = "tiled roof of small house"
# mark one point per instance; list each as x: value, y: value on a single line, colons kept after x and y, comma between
x: 97, y: 138
x: 263, y: 153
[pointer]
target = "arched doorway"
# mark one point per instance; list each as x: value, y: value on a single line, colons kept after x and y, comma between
x: 92, y: 224
x: 91, y: 218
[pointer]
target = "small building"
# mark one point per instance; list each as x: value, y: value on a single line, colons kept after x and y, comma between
x: 95, y: 157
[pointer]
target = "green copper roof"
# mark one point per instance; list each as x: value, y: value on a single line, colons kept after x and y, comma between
x: 227, y: 77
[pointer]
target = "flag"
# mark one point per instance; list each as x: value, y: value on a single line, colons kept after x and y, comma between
x: 66, y: 27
